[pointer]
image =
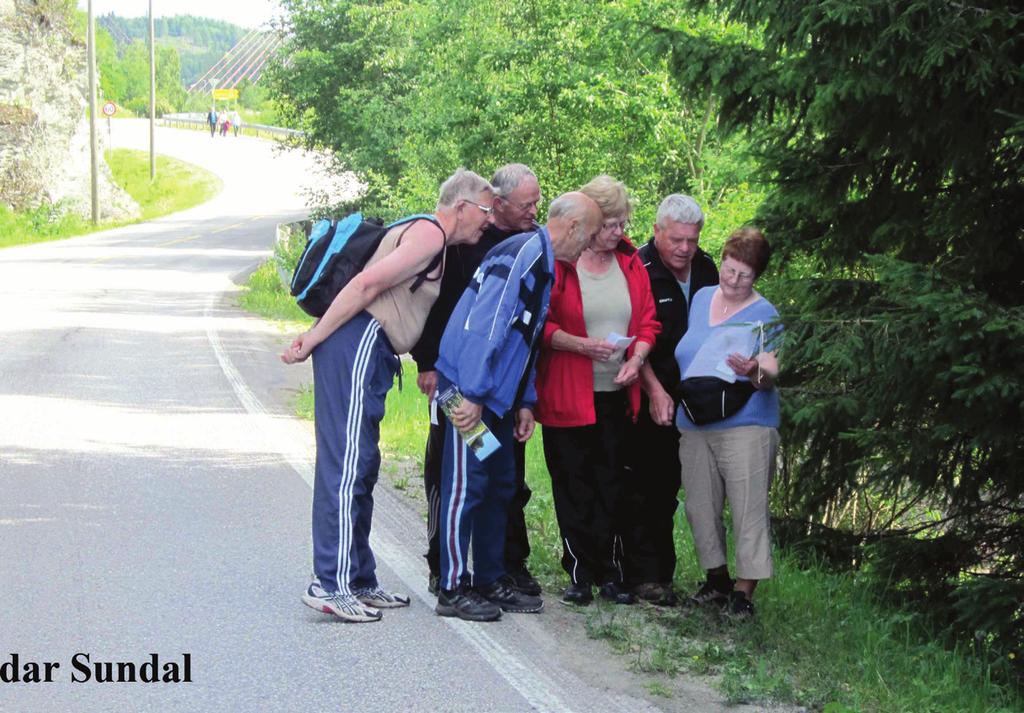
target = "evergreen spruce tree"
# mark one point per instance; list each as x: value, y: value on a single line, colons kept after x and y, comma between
x: 890, y: 134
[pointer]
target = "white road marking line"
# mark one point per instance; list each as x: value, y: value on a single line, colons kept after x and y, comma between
x: 526, y: 678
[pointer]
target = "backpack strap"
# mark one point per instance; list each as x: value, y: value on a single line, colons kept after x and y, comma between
x: 421, y: 276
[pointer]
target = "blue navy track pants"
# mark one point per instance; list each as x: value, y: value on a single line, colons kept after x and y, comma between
x: 353, y: 369
x: 475, y: 498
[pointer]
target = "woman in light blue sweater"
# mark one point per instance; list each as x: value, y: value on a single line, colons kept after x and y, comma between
x: 728, y: 422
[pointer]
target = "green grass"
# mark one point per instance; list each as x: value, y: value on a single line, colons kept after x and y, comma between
x: 267, y: 297
x: 178, y: 186
x: 37, y: 226
x: 819, y: 639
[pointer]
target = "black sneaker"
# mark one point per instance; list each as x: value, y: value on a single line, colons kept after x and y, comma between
x: 581, y: 594
x: 740, y: 607
x: 509, y: 599
x: 610, y: 591
x: 520, y: 579
x: 466, y: 603
x: 709, y: 594
x: 434, y: 583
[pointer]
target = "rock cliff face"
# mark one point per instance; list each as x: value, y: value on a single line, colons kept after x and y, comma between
x: 44, y: 129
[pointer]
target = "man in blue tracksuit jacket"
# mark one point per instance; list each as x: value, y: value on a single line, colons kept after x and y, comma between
x: 488, y: 351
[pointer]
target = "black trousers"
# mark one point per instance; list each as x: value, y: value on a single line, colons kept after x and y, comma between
x: 587, y: 481
x: 650, y: 505
x: 517, y: 542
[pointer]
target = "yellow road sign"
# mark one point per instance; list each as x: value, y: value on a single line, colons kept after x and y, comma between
x: 225, y: 94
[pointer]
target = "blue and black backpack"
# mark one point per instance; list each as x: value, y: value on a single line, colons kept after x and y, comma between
x: 337, y: 250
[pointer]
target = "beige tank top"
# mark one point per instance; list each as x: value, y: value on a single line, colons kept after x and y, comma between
x: 400, y: 311
x: 606, y: 309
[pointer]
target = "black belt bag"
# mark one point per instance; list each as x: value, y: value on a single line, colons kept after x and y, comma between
x: 708, y: 399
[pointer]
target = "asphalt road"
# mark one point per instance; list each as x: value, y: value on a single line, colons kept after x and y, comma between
x: 155, y: 491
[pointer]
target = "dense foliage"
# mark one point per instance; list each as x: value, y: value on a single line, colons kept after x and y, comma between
x: 891, y: 134
x: 882, y: 142
x: 200, y: 41
x: 124, y: 75
x: 405, y: 92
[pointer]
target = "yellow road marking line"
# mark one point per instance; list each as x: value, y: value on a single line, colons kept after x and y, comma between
x: 177, y: 240
x: 227, y: 227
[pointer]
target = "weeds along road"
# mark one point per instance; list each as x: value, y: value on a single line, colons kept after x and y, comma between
x: 155, y: 497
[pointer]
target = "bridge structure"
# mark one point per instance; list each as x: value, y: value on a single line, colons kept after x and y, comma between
x: 245, y: 60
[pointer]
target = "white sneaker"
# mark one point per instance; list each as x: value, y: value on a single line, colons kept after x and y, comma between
x: 377, y: 597
x: 343, y: 606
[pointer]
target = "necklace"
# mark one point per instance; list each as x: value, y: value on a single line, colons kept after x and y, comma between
x: 725, y: 304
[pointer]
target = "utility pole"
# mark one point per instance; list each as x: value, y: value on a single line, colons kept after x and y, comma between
x: 152, y: 96
x: 93, y: 145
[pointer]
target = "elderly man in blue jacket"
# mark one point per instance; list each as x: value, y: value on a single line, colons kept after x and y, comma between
x: 488, y: 352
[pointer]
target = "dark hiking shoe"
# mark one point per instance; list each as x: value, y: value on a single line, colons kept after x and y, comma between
x: 740, y: 608
x: 709, y: 594
x: 611, y: 592
x: 581, y: 594
x: 656, y: 593
x: 467, y: 604
x: 509, y: 599
x: 520, y: 579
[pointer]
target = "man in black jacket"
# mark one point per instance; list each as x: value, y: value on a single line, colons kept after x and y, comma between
x: 516, y: 200
x: 677, y: 268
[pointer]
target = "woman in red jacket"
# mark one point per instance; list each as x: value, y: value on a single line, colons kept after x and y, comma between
x: 587, y: 389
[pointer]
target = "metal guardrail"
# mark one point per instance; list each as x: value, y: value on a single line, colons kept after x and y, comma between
x: 198, y: 120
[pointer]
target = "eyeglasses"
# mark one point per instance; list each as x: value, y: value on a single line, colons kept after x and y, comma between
x: 525, y: 206
x: 485, y: 208
x: 732, y: 273
x: 611, y: 225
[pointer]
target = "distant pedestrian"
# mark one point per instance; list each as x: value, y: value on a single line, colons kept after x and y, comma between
x: 236, y: 121
x: 226, y: 126
x: 211, y: 119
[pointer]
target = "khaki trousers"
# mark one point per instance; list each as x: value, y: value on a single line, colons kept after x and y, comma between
x: 738, y: 464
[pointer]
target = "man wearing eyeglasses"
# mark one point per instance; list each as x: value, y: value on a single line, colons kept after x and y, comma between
x: 488, y: 352
x: 516, y: 201
x: 678, y: 268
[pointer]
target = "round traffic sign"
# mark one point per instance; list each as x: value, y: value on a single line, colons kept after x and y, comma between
x: 109, y: 109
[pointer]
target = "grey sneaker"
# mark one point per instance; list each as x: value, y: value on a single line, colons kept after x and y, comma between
x: 343, y: 606
x: 377, y: 597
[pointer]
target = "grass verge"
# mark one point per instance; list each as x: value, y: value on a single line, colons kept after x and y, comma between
x: 178, y: 186
x: 820, y: 639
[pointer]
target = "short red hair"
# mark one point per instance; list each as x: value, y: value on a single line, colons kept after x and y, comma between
x: 749, y: 246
